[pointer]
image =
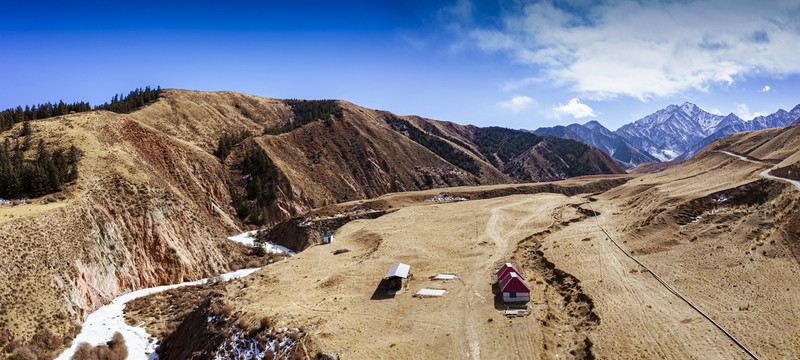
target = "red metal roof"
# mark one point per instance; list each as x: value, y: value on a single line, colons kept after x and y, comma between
x: 505, y: 270
x: 514, y: 283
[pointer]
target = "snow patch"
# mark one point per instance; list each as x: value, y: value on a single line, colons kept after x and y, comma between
x: 248, y: 238
x: 239, y: 346
x: 101, y: 325
x: 311, y: 219
x: 445, y: 197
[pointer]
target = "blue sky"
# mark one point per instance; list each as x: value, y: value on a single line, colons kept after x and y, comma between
x: 507, y: 63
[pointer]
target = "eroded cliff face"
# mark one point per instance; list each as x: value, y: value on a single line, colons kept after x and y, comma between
x: 146, y: 211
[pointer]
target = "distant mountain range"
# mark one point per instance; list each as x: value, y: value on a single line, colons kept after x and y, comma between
x: 602, y: 138
x: 673, y: 133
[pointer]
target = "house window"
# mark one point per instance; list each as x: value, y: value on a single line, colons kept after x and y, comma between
x: 512, y: 295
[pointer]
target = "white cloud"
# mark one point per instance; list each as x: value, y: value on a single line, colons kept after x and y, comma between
x: 516, y: 104
x: 743, y: 111
x: 648, y: 49
x: 714, y: 111
x: 765, y: 89
x: 576, y: 109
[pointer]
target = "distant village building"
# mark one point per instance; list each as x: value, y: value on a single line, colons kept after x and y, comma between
x: 327, y: 239
x: 398, y: 275
x: 514, y: 288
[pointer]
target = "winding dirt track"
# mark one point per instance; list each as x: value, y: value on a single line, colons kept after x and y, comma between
x: 766, y: 173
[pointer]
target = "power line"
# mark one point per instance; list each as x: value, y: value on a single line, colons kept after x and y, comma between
x: 670, y: 288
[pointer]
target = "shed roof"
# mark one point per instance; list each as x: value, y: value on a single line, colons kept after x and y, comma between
x: 399, y: 270
x: 514, y: 283
x: 430, y: 292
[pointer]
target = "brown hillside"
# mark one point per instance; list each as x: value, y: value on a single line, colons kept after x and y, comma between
x: 147, y: 210
x: 357, y: 156
x: 711, y: 227
x: 777, y: 145
x: 537, y: 164
x: 199, y: 117
x: 152, y: 205
x: 652, y: 168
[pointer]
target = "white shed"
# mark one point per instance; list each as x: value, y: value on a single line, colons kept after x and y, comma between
x: 398, y: 270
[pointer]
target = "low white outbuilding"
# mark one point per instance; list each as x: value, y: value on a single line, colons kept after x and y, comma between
x: 398, y: 275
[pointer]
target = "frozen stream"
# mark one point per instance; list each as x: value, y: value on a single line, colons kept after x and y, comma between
x: 101, y: 325
x: 247, y: 239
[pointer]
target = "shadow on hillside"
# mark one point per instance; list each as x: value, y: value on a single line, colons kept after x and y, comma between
x: 498, y: 297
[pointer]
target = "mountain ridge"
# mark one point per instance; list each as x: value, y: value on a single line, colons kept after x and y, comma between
x: 595, y: 134
x: 676, y: 132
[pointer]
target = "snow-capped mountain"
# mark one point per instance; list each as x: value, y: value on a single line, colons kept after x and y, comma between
x: 673, y: 133
x: 599, y: 136
x: 733, y: 124
x: 678, y: 132
x: 669, y: 132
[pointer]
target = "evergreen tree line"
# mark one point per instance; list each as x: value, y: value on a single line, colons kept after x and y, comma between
x: 11, y: 116
x: 307, y: 111
x: 136, y: 99
x: 435, y: 144
x: 31, y: 178
x: 572, y: 151
x: 507, y: 144
x: 503, y: 142
x: 433, y: 130
x: 119, y: 104
x: 260, y: 187
x: 227, y: 141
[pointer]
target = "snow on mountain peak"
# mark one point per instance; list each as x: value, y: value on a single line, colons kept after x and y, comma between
x: 689, y: 108
x: 795, y: 111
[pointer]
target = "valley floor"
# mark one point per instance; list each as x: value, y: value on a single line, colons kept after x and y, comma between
x: 588, y: 298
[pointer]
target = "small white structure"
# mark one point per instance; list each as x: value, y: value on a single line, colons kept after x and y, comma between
x: 430, y: 292
x: 444, y: 277
x: 397, y: 276
x: 398, y: 270
x: 327, y: 239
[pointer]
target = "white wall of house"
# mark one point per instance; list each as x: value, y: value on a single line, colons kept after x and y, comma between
x: 517, y: 297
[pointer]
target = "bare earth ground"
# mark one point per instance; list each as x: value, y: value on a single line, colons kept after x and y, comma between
x: 337, y: 294
x: 711, y: 227
x: 588, y: 298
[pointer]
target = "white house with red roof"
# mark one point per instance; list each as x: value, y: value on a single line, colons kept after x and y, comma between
x: 514, y: 288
